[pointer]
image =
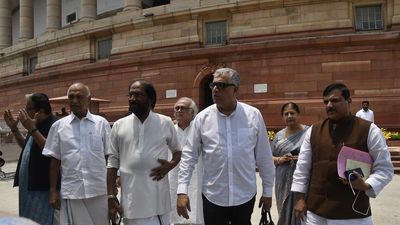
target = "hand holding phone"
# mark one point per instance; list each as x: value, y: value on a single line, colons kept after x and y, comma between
x: 351, y: 174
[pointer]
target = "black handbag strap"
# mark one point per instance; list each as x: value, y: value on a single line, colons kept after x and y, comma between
x: 266, y: 218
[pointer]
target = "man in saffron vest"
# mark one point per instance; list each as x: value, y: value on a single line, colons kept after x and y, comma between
x: 322, y: 197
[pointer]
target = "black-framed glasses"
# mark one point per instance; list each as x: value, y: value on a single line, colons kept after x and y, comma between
x: 181, y: 109
x: 220, y: 85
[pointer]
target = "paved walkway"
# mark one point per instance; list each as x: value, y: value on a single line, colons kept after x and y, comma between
x: 384, y: 208
x: 8, y: 194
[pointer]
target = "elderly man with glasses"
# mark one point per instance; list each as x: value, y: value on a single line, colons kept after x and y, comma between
x: 230, y: 138
x: 32, y: 175
x: 185, y: 110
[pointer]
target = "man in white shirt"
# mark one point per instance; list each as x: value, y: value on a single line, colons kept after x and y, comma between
x: 185, y: 110
x: 321, y: 197
x: 365, y: 113
x: 139, y: 149
x: 77, y: 144
x: 231, y: 139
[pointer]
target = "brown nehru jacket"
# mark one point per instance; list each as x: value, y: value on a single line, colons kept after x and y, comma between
x: 328, y: 196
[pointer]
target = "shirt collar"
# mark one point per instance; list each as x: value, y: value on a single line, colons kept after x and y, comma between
x: 187, y: 128
x: 232, y: 114
x: 88, y: 116
x: 148, y: 116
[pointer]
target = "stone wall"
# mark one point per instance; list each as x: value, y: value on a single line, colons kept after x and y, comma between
x: 296, y: 47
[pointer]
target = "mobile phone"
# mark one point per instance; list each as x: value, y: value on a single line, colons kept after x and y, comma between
x: 350, y: 173
x: 295, y: 152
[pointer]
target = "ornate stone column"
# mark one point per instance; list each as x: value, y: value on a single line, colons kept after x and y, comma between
x: 88, y: 10
x: 25, y: 20
x: 5, y: 24
x: 53, y: 18
x: 132, y: 4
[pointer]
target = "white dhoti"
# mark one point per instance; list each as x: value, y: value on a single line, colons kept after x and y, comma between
x: 90, y: 211
x: 154, y: 220
x: 314, y: 219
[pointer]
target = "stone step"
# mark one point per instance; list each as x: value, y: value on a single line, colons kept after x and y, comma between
x: 395, y: 158
x: 394, y: 153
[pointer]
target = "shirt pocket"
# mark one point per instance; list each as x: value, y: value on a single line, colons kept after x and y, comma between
x: 246, y: 139
x: 96, y: 143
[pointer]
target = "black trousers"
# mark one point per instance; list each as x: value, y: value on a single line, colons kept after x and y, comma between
x: 231, y: 215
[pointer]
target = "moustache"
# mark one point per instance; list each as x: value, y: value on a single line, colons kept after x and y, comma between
x: 330, y: 110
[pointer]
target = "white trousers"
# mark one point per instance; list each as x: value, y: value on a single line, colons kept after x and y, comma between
x: 90, y: 211
x: 314, y: 219
x: 56, y: 217
x: 155, y: 220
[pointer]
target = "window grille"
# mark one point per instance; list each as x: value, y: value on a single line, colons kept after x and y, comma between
x: 33, y: 60
x: 216, y: 33
x: 369, y: 18
x: 104, y: 48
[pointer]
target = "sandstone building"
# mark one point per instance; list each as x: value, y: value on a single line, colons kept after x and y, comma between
x: 285, y: 50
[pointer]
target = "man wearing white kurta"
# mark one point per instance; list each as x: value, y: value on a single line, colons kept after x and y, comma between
x: 139, y: 149
x: 185, y: 110
x: 366, y: 113
x: 77, y: 144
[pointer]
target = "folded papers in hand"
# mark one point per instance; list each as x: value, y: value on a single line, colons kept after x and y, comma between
x: 350, y: 158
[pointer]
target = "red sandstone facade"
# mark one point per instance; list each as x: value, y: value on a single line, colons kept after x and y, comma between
x: 296, y: 66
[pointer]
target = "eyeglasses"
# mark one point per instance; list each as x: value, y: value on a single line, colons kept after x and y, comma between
x: 220, y: 85
x: 181, y: 109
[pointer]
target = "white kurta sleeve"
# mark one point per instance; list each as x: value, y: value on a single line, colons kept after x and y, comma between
x: 382, y: 169
x: 264, y: 160
x: 173, y: 140
x: 301, y: 176
x: 106, y: 131
x: 113, y: 148
x: 189, y: 159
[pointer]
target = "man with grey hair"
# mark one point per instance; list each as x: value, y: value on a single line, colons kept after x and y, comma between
x: 185, y: 110
x: 77, y: 144
x: 230, y: 138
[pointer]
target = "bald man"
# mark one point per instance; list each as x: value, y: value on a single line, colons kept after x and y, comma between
x: 77, y: 144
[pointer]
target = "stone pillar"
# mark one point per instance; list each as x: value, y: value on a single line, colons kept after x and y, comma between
x: 132, y: 4
x: 25, y: 20
x: 53, y: 18
x: 88, y: 10
x: 5, y: 24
